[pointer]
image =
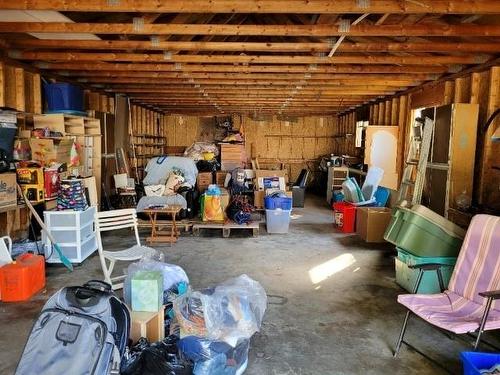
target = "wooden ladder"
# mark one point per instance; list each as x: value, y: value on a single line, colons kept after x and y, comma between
x: 418, y: 156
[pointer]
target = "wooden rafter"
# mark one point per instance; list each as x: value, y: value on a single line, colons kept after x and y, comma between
x: 246, y: 59
x: 259, y: 30
x: 260, y: 6
x: 164, y: 67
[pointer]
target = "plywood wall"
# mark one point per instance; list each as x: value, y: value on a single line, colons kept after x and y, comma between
x: 481, y: 87
x: 295, y: 144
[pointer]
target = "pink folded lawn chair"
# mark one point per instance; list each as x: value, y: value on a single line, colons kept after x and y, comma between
x: 470, y: 304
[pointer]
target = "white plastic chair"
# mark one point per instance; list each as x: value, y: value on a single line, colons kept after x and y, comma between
x: 114, y: 220
x: 5, y: 250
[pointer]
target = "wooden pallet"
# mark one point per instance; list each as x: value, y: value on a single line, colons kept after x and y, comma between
x: 226, y: 227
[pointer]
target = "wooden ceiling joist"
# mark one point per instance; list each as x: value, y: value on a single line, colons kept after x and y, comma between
x: 247, y: 59
x: 250, y: 82
x: 254, y: 76
x: 261, y: 6
x: 254, y: 46
x: 165, y: 67
x: 362, y: 29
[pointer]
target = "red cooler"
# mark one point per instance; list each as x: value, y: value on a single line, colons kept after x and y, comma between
x: 344, y: 216
x: 20, y: 280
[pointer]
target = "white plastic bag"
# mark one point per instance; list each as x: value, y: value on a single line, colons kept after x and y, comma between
x: 172, y: 275
x: 231, y: 311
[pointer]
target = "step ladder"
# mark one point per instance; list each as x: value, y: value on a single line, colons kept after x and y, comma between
x: 418, y: 155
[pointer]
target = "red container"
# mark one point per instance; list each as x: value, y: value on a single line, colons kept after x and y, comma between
x: 52, y: 183
x: 20, y: 280
x: 344, y: 215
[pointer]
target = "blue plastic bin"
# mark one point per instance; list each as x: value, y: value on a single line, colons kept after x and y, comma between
x: 62, y: 97
x: 473, y: 362
x: 272, y: 203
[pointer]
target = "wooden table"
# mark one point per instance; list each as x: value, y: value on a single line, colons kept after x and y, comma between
x: 158, y: 235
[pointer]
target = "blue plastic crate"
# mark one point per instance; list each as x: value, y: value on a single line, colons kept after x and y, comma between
x: 473, y: 362
x: 62, y: 97
x: 272, y: 203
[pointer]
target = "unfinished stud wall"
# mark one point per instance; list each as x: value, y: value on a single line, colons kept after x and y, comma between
x: 483, y: 88
x: 297, y: 144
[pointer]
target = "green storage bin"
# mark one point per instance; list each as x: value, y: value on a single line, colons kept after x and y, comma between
x: 147, y: 291
x: 424, y: 233
x: 406, y: 277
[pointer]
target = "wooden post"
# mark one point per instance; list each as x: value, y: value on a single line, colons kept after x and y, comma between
x: 489, y: 193
x: 381, y: 113
x: 449, y: 92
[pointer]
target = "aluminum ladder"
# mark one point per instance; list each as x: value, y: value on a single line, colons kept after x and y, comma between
x: 418, y: 156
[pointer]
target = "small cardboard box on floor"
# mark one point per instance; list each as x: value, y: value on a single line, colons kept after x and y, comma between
x: 371, y: 223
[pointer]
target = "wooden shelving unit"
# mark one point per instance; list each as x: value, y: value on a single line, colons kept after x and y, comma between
x: 146, y: 137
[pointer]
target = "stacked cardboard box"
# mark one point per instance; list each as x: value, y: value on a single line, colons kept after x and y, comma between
x: 232, y: 156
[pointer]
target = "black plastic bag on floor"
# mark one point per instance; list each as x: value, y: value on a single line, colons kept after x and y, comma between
x: 207, y: 165
x: 160, y: 358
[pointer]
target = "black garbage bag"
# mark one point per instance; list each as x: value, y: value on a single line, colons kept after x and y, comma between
x: 207, y: 165
x: 160, y: 358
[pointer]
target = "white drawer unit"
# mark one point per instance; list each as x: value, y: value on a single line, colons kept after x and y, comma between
x: 73, y: 231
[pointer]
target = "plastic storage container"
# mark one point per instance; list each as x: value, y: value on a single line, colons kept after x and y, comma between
x: 406, y: 277
x: 272, y: 203
x: 278, y: 221
x: 474, y: 362
x: 23, y: 278
x: 344, y: 214
x: 73, y: 231
x: 424, y: 233
x: 63, y: 97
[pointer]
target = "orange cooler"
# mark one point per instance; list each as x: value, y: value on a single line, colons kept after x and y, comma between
x: 20, y: 280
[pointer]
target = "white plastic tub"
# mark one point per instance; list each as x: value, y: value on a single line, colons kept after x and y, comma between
x: 278, y: 220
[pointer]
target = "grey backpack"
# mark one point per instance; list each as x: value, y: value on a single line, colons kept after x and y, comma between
x: 81, y: 330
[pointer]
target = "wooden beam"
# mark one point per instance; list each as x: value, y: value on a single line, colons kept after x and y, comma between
x: 245, y: 76
x: 250, y: 81
x: 364, y: 30
x: 260, y: 6
x: 253, y: 46
x: 165, y: 67
x: 248, y: 59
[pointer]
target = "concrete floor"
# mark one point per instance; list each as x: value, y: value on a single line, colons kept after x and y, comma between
x: 344, y: 324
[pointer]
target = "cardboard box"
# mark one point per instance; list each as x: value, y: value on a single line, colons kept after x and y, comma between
x: 261, y: 173
x: 8, y: 190
x: 147, y: 291
x: 203, y: 180
x: 220, y: 177
x: 371, y: 223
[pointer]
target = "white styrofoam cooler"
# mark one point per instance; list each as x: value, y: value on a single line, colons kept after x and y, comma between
x: 73, y: 231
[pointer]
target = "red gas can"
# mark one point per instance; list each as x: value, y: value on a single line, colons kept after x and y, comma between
x: 23, y: 278
x: 344, y: 214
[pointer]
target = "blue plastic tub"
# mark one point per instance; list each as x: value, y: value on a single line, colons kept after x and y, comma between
x: 62, y: 97
x: 272, y: 203
x: 473, y: 362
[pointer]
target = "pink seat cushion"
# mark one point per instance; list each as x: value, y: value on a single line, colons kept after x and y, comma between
x: 450, y: 311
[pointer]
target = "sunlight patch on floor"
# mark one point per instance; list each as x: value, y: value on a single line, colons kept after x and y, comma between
x: 325, y: 270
